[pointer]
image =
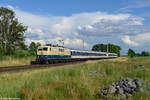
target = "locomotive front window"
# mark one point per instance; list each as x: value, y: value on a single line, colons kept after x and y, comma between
x: 39, y: 49
x: 45, y: 49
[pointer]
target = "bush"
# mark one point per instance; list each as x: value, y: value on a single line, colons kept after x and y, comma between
x: 21, y: 53
x: 131, y: 53
x: 144, y: 53
x: 1, y: 50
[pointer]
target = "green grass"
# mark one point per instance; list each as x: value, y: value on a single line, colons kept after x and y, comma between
x: 139, y: 57
x: 12, y: 61
x: 72, y: 82
x: 142, y: 58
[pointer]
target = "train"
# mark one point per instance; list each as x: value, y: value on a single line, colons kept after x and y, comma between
x: 55, y: 54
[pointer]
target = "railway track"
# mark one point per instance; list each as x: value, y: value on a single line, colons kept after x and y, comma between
x: 15, y: 68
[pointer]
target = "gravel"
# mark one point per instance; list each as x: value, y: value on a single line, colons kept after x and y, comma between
x: 125, y: 87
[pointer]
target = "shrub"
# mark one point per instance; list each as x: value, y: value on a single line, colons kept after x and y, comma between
x: 144, y: 53
x: 21, y: 53
x: 131, y: 53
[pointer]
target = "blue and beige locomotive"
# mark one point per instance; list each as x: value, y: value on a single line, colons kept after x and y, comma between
x: 56, y: 54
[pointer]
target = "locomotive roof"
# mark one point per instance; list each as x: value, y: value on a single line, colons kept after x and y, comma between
x: 52, y: 46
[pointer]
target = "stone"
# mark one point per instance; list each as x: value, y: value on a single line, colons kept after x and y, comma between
x: 140, y: 66
x: 126, y: 87
x: 93, y: 73
x: 104, y: 92
x: 102, y: 73
x: 112, y: 89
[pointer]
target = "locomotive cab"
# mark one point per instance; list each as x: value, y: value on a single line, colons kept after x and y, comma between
x: 48, y: 53
x: 42, y: 53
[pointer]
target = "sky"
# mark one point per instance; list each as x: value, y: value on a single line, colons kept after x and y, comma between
x: 122, y: 22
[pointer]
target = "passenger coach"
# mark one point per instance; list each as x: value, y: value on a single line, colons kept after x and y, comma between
x: 91, y: 54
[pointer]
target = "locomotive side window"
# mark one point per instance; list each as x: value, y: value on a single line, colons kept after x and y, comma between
x: 55, y: 49
x: 61, y: 50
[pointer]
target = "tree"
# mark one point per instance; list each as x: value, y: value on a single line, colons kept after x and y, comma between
x: 144, y: 53
x: 23, y: 46
x: 111, y: 48
x: 138, y: 54
x: 100, y: 47
x: 11, y: 31
x: 131, y: 53
x: 33, y: 47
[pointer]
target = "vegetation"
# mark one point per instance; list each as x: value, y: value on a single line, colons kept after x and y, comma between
x: 15, y: 61
x: 73, y: 82
x: 33, y: 48
x: 20, y: 57
x: 107, y: 48
x: 144, y: 53
x: 12, y: 40
x: 131, y: 53
x: 11, y: 32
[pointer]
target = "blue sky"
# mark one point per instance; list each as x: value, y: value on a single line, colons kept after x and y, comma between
x: 65, y: 7
x: 122, y: 22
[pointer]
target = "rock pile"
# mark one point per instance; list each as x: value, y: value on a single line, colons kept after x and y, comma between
x: 124, y: 87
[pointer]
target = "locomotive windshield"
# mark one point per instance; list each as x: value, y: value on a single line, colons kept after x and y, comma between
x: 40, y: 49
x: 43, y: 49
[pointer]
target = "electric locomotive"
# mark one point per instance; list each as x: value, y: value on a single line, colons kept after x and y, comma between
x: 48, y: 53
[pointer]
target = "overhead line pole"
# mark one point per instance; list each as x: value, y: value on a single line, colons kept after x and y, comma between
x: 83, y: 44
x: 107, y: 48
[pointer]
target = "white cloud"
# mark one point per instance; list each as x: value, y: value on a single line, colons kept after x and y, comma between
x: 79, y: 27
x: 142, y: 37
x: 139, y: 4
x: 127, y: 40
x: 83, y: 26
x: 75, y: 43
x: 35, y: 31
x: 10, y: 7
x: 28, y: 41
x: 130, y: 4
x: 88, y: 27
x: 116, y: 25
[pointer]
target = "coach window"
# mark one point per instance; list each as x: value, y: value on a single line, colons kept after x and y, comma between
x: 72, y: 52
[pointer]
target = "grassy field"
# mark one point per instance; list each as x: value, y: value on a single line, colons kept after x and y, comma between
x: 73, y: 82
x: 11, y: 61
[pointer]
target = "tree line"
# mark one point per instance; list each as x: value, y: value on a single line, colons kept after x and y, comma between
x: 131, y: 53
x: 111, y: 48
